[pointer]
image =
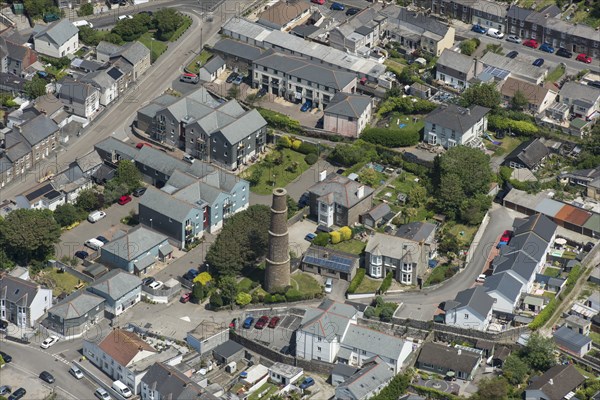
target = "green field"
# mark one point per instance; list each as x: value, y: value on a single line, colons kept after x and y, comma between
x: 156, y: 46
x: 349, y: 246
x: 277, y: 174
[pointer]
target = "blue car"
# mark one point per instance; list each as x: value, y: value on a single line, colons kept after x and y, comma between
x: 306, y: 383
x: 238, y: 80
x: 248, y: 322
x: 547, y: 48
x: 478, y: 29
x: 338, y: 7
x: 306, y: 106
x: 538, y: 63
x: 310, y: 237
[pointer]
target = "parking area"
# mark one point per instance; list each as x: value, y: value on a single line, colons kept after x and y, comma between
x: 281, y: 338
x: 309, y: 118
x: 18, y: 377
x: 297, y: 234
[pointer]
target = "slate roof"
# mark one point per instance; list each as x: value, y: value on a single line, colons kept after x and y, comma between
x: 416, y: 231
x: 575, y: 91
x: 373, y: 341
x: 505, y: 284
x: 571, y: 338
x: 456, y: 118
x: 329, y: 313
x: 348, y: 105
x: 343, y: 190
x: 311, y: 71
x: 137, y: 242
x: 379, y: 211
x: 116, y: 283
x: 38, y: 129
x: 170, y: 383
x: 448, y: 358
x: 476, y: 299
x: 107, y: 48
x: 535, y: 94
x: 76, y: 305
x: 58, y: 32
x: 89, y: 161
x: 420, y: 23
x: 530, y: 153
x: 238, y: 49
x: 16, y: 146
x: 18, y: 291
x: 394, y: 247
x: 111, y: 144
x: 47, y: 104
x: 228, y: 349
x: 343, y: 370
x: 214, y: 64
x: 558, y: 381
x: 282, y: 12
x: 456, y: 61
x: 167, y: 205
x: 133, y: 52
x: 539, y: 224
x: 77, y: 91
x: 123, y: 346
x: 373, y: 374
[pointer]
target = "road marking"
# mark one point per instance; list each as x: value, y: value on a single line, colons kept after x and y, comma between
x: 25, y: 370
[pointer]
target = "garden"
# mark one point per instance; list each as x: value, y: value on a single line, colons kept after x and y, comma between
x: 198, y: 61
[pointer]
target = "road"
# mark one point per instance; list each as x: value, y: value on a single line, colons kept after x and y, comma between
x: 116, y: 121
x: 422, y: 304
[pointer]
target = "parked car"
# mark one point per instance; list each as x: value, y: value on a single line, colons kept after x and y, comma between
x: 595, y: 84
x: 102, y: 239
x: 49, y: 341
x: 478, y: 29
x: 506, y: 235
x: 233, y: 323
x: 562, y: 52
x: 513, y: 39
x: 304, y: 200
x: 76, y: 372
x: 191, y: 274
x: 495, y: 33
x: 352, y: 11
x: 238, y: 80
x: 531, y: 43
x: 480, y: 278
x: 584, y: 58
x: 139, y: 191
x: 186, y: 297
x: 102, y: 394
x: 310, y: 237
x: 261, y: 92
x: 248, y: 322
x: 50, y: 18
x: 306, y: 106
x: 538, y: 63
x: 122, y: 17
x: 96, y: 216
x: 512, y: 54
x: 124, y: 199
x: 82, y: 254
x: 156, y: 285
x: 328, y: 285
x: 338, y: 7
x: 320, y: 2
x: 323, y: 228
x: 188, y: 158
x: 547, y: 48
x: 231, y: 77
x: 307, y: 382
x: 17, y: 394
x: 6, y: 357
x: 273, y: 322
x: 3, y: 325
x: 5, y: 390
x: 262, y: 321
x: 142, y: 144
x: 47, y: 377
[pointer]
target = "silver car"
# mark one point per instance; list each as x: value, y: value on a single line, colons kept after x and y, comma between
x: 513, y: 39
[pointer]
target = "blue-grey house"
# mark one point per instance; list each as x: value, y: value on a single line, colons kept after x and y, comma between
x: 136, y: 250
x: 119, y: 289
x: 75, y: 314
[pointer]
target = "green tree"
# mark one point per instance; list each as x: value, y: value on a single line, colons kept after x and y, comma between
x: 216, y: 300
x: 197, y: 293
x: 128, y: 175
x: 243, y: 299
x: 519, y: 101
x: 88, y: 200
x: 204, y: 278
x: 29, y: 234
x: 5, y: 262
x: 468, y: 47
x: 88, y: 35
x: 113, y: 37
x: 36, y: 87
x: 449, y: 243
x: 36, y: 9
x: 483, y: 94
x: 346, y: 233
x: 67, y: 214
x: 369, y: 177
x: 130, y: 29
x: 292, y: 206
x: 491, y: 388
x: 351, y: 154
x: 322, y: 239
x: 284, y: 141
x: 85, y: 10
x: 417, y: 196
x: 539, y: 352
x: 495, y: 48
x: 514, y: 369
x: 386, y: 314
x: 113, y: 190
x: 167, y: 20
x: 229, y: 289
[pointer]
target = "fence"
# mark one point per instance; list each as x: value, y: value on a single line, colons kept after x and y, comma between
x: 73, y: 271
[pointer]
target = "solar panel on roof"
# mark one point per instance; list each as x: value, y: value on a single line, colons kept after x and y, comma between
x: 333, y: 262
x: 497, y: 72
x: 37, y: 193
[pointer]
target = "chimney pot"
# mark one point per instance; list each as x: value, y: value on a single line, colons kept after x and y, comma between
x: 322, y: 175
x: 551, y: 381
x: 360, y: 193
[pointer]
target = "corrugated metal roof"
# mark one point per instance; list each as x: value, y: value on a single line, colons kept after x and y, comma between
x: 593, y: 223
x: 573, y: 215
x: 549, y: 207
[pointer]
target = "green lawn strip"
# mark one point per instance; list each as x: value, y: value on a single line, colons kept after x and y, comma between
x: 350, y: 246
x: 156, y: 46
x: 556, y: 73
x: 306, y: 284
x: 199, y: 61
x: 245, y: 285
x: 278, y: 173
x: 368, y: 285
x: 553, y: 272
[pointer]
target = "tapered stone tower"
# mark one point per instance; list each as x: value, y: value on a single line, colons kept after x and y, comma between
x: 277, y: 274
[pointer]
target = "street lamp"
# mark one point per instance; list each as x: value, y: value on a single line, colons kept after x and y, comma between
x: 150, y: 223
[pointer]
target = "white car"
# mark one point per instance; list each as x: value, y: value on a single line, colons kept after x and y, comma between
x: 156, y: 285
x: 513, y: 39
x: 328, y: 285
x: 96, y: 216
x: 480, y: 278
x: 495, y: 33
x: 122, y: 17
x: 49, y: 341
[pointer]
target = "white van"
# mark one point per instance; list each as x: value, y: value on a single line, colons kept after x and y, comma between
x: 189, y: 78
x: 96, y: 216
x: 120, y: 388
x: 83, y: 23
x: 94, y: 244
x: 328, y: 285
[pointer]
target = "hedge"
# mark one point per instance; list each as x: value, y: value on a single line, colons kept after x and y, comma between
x: 431, y: 393
x: 357, y: 280
x: 387, y: 283
x: 307, y: 148
x: 396, y: 388
x: 311, y: 158
x: 280, y: 121
x: 294, y: 295
x: 391, y: 137
x: 498, y: 123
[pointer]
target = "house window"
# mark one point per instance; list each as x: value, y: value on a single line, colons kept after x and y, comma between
x: 466, y: 316
x: 318, y: 349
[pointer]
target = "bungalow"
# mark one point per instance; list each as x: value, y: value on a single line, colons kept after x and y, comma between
x: 330, y: 263
x: 470, y: 309
x: 558, y: 383
x: 443, y: 360
x: 572, y: 341
x: 212, y: 69
x: 529, y: 154
x: 578, y: 324
x: 284, y: 374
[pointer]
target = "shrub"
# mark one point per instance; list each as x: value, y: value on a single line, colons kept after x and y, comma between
x: 216, y: 300
x: 335, y: 237
x: 387, y: 283
x: 293, y: 295
x: 346, y: 233
x: 307, y: 148
x: 386, y: 314
x: 280, y: 121
x: 391, y: 137
x: 296, y: 144
x: 284, y: 141
x: 243, y: 298
x: 311, y: 158
x: 322, y: 239
x: 203, y: 278
x: 357, y: 280
x: 369, y: 312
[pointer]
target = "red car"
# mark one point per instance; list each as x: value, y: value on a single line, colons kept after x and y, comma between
x: 233, y: 323
x: 124, y: 199
x: 142, y: 144
x: 273, y: 322
x: 531, y: 43
x: 186, y: 297
x: 321, y: 2
x: 261, y: 322
x: 584, y: 58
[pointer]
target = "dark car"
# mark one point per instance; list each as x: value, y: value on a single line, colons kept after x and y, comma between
x: 82, y: 254
x: 102, y: 239
x: 562, y: 52
x: 262, y: 321
x: 307, y: 382
x: 538, y: 63
x: 231, y: 77
x: 352, y: 11
x: 147, y: 281
x: 51, y: 18
x: 17, y: 394
x: 323, y: 228
x: 248, y: 322
x: 478, y: 29
x: 304, y: 200
x: 595, y: 84
x: 338, y: 7
x: 7, y: 358
x: 261, y: 92
x: 512, y: 54
x: 3, y: 325
x: 47, y: 377
x: 191, y: 274
x: 139, y: 192
x: 306, y: 106
x: 273, y: 322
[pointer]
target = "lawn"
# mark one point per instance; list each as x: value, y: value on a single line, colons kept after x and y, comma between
x: 595, y: 337
x: 350, y: 246
x: 409, y: 122
x: 507, y: 144
x: 394, y: 66
x: 582, y: 16
x: 265, y: 391
x: 156, y: 46
x: 437, y: 275
x: 553, y: 272
x: 199, y: 61
x: 556, y: 73
x: 368, y: 285
x: 245, y: 285
x: 58, y: 282
x: 277, y: 174
x: 467, y: 233
x: 306, y: 284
